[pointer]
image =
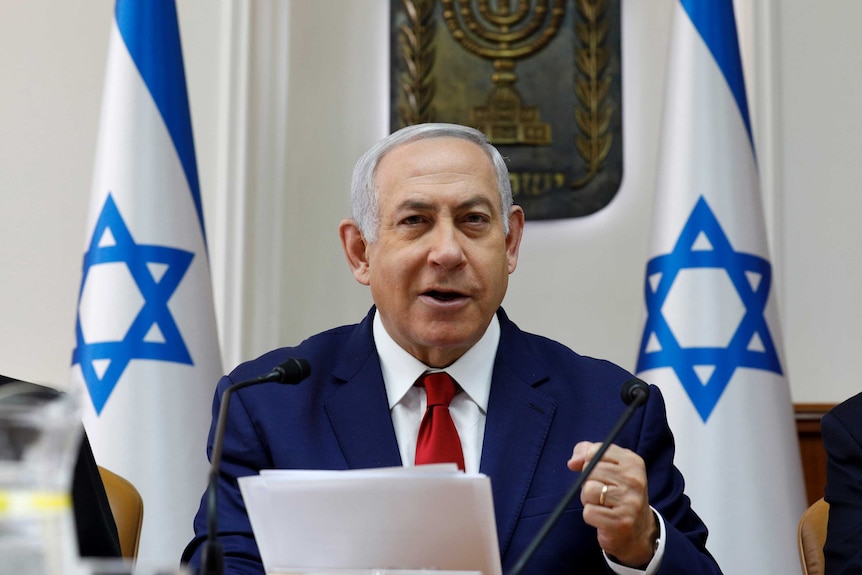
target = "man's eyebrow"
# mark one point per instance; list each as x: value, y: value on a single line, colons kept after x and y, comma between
x: 475, y: 201
x: 415, y: 205
x: 412, y: 204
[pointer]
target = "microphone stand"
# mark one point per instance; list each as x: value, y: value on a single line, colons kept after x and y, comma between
x: 634, y: 393
x: 291, y: 371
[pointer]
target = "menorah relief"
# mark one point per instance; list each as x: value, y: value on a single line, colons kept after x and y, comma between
x: 559, y: 118
x: 497, y: 32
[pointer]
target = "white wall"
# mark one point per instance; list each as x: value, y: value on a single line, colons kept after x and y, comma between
x: 821, y: 123
x: 286, y: 94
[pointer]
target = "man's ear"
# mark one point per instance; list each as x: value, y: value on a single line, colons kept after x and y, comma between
x: 355, y: 249
x: 516, y: 232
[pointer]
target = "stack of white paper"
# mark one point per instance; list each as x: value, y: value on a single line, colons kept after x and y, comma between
x: 390, y: 519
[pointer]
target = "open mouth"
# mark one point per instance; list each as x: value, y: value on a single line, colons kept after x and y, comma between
x: 443, y: 295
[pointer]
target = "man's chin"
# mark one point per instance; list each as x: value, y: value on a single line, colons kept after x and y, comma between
x: 446, y: 347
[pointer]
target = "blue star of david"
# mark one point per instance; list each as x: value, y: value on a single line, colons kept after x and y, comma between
x: 739, y: 352
x: 154, y: 311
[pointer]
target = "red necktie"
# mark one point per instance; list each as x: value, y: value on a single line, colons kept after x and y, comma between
x: 438, y: 439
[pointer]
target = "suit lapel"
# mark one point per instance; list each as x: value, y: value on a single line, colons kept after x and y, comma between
x: 519, y: 417
x: 357, y: 406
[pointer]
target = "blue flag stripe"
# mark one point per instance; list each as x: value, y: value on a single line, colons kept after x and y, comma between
x: 151, y: 33
x: 715, y: 23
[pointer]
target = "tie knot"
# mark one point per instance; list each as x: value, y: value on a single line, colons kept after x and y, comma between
x: 439, y: 387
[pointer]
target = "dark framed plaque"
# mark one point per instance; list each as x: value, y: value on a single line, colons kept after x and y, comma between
x: 542, y: 78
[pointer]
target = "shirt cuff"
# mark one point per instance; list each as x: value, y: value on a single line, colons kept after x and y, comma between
x: 654, y: 564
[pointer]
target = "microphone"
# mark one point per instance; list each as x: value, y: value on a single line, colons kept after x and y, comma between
x: 634, y: 393
x: 291, y: 371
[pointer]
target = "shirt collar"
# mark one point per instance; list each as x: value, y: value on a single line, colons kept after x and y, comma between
x: 472, y: 370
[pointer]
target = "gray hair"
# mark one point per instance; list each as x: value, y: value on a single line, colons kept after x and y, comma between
x: 365, y: 195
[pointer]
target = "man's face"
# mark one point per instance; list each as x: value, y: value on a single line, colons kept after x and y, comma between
x: 439, y: 268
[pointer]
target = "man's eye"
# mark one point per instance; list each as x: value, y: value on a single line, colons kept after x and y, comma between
x: 477, y: 218
x: 412, y: 220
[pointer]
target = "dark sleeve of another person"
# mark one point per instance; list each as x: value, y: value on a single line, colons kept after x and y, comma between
x: 97, y: 532
x: 842, y: 438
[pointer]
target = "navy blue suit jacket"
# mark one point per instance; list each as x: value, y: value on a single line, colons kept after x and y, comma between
x: 842, y: 437
x: 544, y: 399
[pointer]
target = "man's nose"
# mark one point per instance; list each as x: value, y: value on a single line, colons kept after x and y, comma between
x: 446, y: 249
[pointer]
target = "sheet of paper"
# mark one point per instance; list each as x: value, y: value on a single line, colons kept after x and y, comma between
x: 424, y: 517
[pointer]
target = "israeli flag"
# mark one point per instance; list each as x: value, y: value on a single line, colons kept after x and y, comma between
x: 146, y: 356
x: 711, y: 339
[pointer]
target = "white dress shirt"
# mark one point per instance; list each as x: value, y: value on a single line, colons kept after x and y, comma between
x: 472, y: 371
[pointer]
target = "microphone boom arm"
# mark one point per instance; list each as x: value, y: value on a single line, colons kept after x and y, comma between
x: 290, y: 371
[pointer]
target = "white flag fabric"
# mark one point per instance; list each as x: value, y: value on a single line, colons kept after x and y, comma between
x: 711, y: 338
x: 146, y: 355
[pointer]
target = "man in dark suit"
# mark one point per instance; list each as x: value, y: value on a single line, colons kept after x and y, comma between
x: 435, y: 235
x: 842, y: 437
